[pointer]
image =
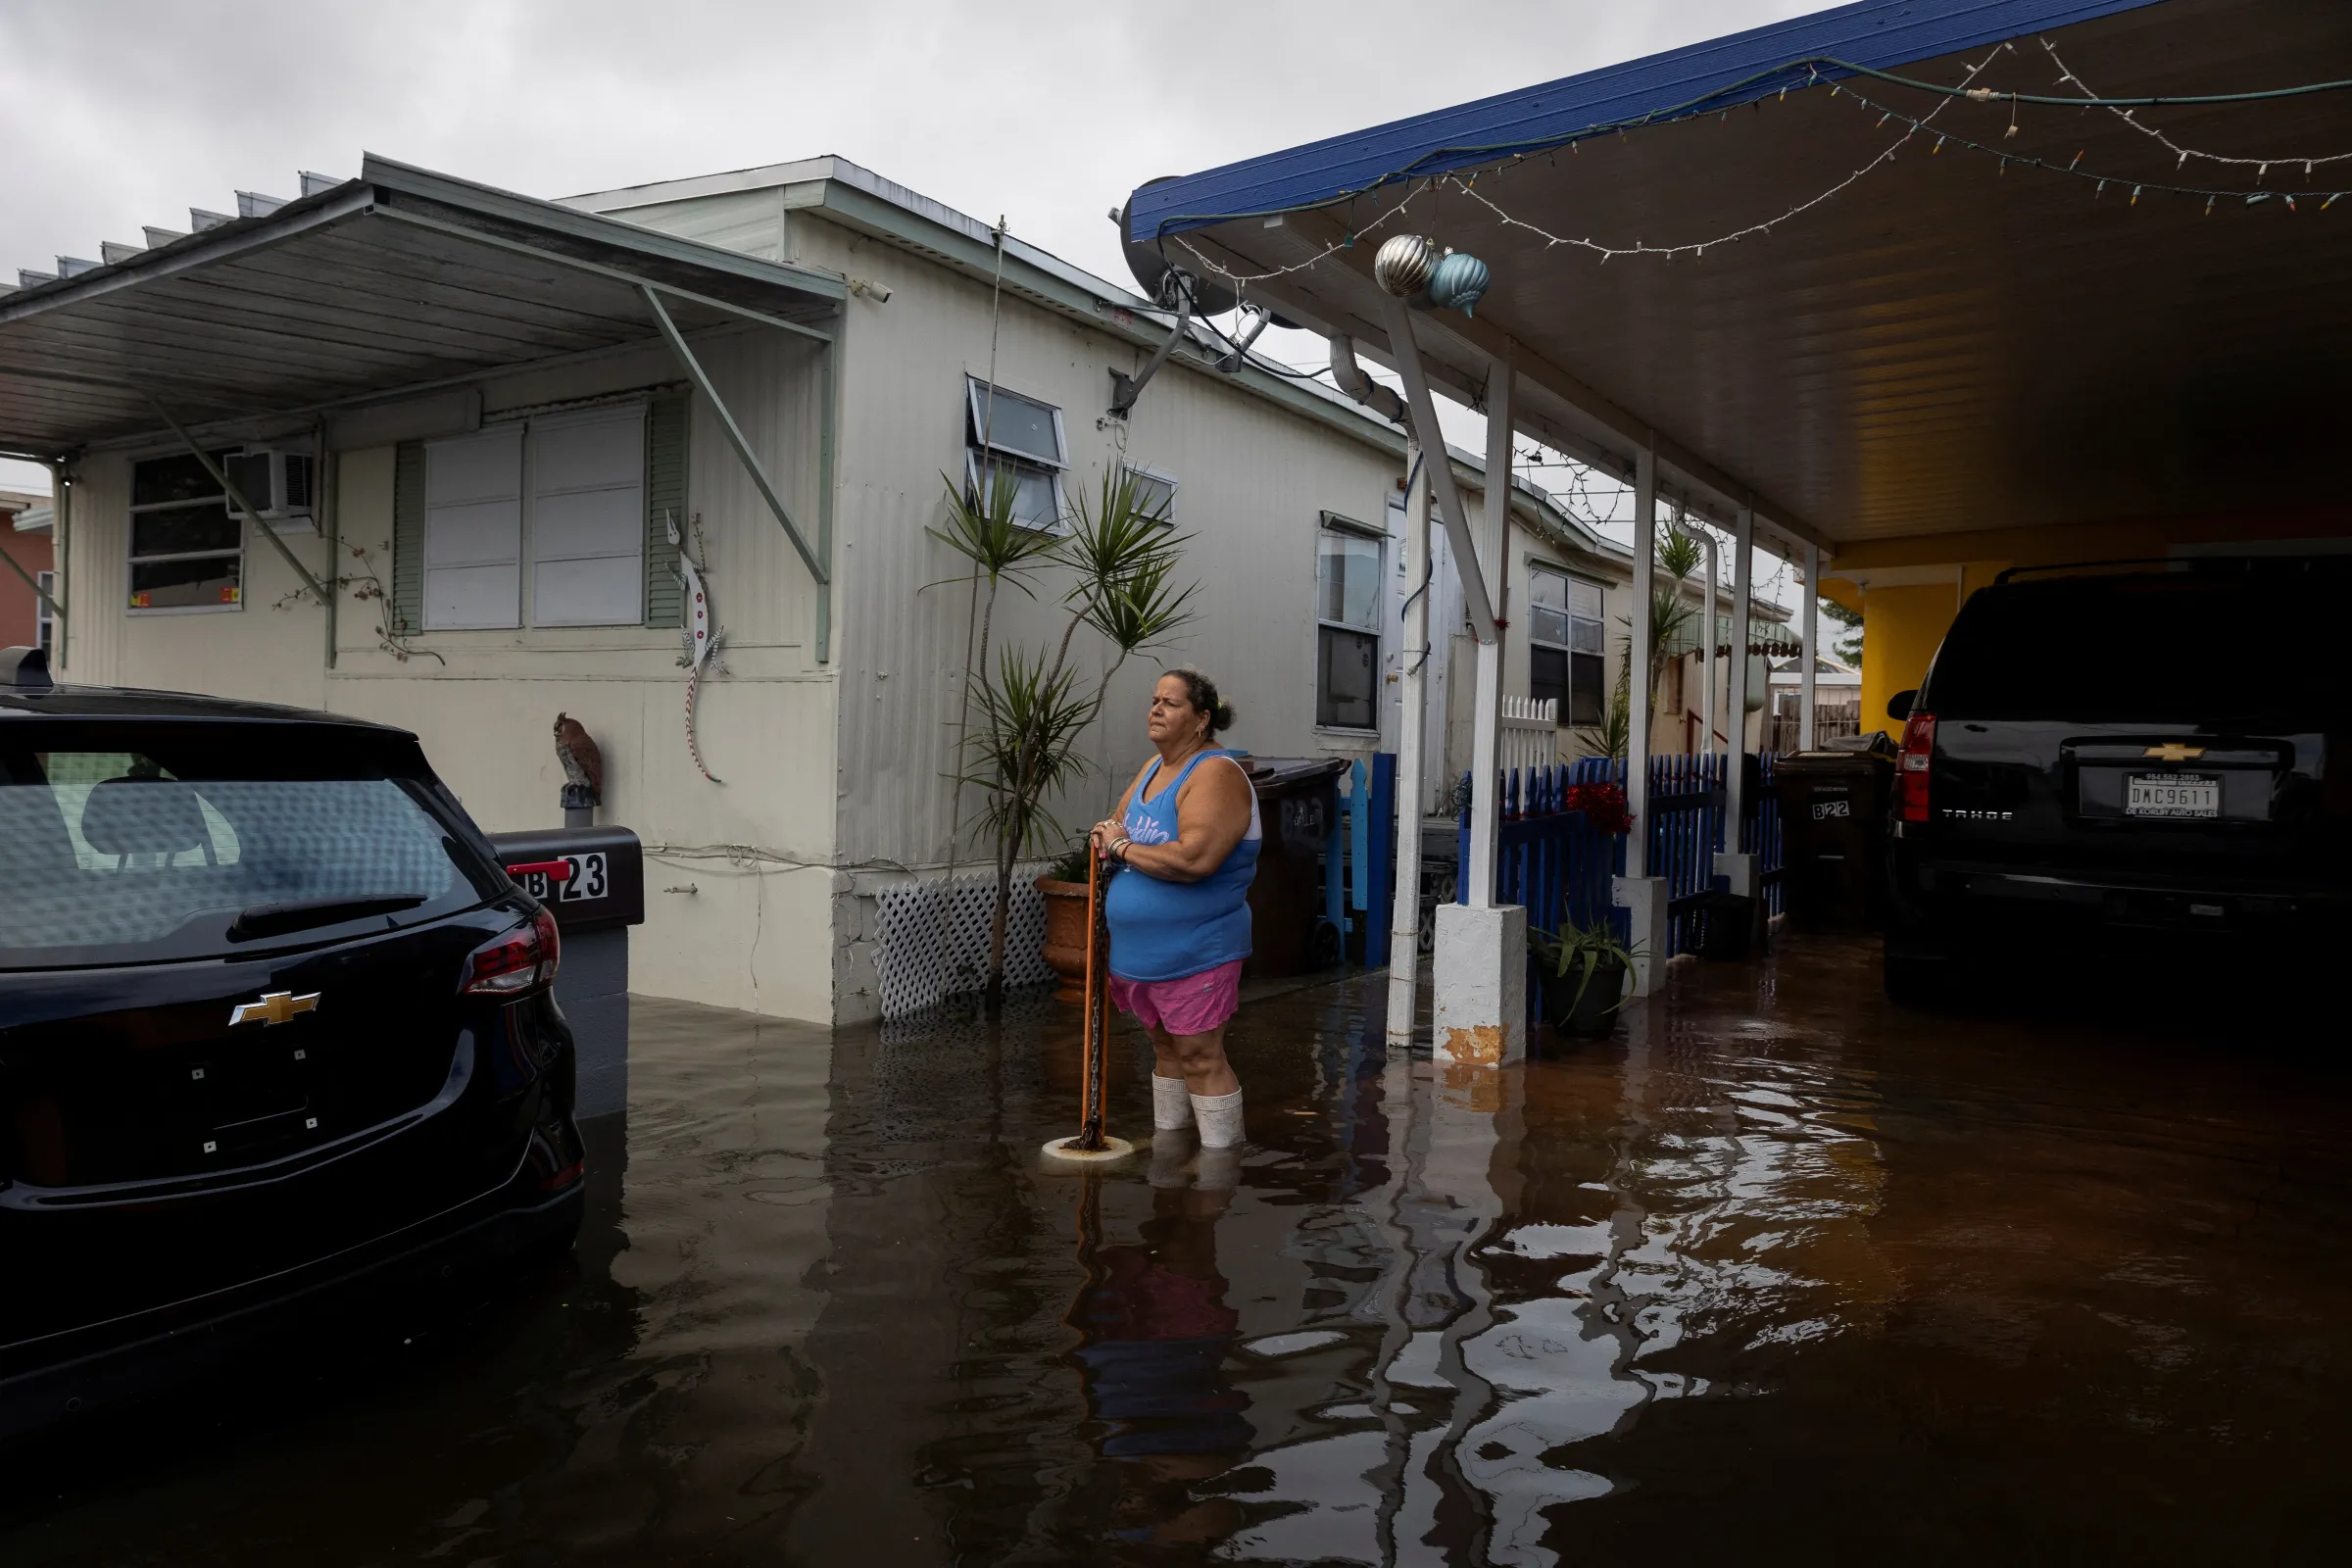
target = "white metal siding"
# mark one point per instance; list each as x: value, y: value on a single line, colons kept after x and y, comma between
x: 1253, y: 479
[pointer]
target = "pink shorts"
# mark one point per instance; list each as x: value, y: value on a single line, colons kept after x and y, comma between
x: 1191, y: 1005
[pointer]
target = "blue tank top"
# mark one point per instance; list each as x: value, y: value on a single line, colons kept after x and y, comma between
x: 1167, y: 930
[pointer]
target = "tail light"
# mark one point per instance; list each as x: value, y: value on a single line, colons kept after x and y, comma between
x: 514, y: 963
x: 1911, y: 768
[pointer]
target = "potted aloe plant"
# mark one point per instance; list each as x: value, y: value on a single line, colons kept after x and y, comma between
x: 1064, y: 888
x: 1584, y: 969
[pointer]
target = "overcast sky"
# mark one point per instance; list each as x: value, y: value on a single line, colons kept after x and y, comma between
x: 118, y: 115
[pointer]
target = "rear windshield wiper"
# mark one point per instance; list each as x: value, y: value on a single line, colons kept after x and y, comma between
x: 298, y: 914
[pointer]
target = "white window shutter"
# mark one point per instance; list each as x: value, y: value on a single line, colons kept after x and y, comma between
x: 473, y: 531
x: 588, y: 519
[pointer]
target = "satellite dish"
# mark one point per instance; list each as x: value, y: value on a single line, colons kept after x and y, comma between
x: 1157, y: 277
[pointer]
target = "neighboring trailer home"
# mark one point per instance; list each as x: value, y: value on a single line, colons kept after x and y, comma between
x: 25, y: 571
x: 462, y: 413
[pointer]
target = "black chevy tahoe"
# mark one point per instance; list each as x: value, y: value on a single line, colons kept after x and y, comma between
x: 2127, y: 752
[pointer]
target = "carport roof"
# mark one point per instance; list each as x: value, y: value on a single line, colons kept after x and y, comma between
x: 399, y: 280
x: 1950, y: 343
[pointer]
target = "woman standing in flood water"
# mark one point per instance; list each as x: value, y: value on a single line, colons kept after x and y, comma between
x: 1186, y: 841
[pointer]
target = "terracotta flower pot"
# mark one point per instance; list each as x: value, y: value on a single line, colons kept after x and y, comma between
x: 1065, y: 934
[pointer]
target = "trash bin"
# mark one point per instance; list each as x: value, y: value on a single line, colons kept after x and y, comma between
x: 1298, y: 800
x: 1833, y: 833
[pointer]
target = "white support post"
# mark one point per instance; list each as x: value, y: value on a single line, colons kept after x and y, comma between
x: 1487, y: 719
x: 60, y: 540
x: 1478, y: 1012
x: 1735, y: 865
x: 1707, y: 685
x: 1412, y: 658
x: 1807, y: 736
x: 1640, y: 696
x: 1641, y: 895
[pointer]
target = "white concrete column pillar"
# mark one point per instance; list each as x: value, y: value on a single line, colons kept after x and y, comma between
x: 1405, y: 922
x: 1478, y: 1008
x: 1645, y: 899
x: 1478, y: 1012
x: 1735, y: 865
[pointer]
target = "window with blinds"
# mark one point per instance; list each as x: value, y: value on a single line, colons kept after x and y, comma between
x: 1348, y: 588
x: 557, y: 521
x: 187, y: 548
x: 1565, y: 656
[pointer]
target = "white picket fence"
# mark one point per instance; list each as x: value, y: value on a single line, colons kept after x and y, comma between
x: 1530, y: 735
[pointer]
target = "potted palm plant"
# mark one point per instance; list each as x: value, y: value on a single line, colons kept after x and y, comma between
x: 1024, y: 717
x: 1584, y: 969
x: 1064, y: 888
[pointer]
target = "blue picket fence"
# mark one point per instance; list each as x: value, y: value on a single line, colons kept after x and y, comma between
x: 1556, y: 864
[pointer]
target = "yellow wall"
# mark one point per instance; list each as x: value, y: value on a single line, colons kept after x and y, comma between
x: 1901, y: 628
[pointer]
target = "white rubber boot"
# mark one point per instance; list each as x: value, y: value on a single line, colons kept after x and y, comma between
x: 1171, y: 1103
x: 1171, y: 1157
x: 1219, y: 1118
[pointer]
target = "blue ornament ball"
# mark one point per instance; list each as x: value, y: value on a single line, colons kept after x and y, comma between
x: 1458, y: 283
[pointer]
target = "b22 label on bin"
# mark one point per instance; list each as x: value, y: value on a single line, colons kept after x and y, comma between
x: 1824, y: 809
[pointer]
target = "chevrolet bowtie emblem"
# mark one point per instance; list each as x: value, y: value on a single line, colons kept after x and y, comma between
x: 275, y: 1006
x: 2174, y: 751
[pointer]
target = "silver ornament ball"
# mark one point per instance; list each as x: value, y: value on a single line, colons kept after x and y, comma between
x: 1404, y: 264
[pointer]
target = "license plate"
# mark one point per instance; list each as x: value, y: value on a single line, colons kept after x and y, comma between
x: 2171, y: 794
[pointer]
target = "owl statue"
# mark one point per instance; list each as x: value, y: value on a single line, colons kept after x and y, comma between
x: 583, y: 765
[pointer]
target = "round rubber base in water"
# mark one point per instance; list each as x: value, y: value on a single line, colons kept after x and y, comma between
x: 1114, y: 1149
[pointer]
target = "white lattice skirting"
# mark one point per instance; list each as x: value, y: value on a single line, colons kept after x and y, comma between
x: 931, y: 939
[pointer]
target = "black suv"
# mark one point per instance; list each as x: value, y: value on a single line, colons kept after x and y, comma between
x: 273, y: 1020
x: 2127, y: 752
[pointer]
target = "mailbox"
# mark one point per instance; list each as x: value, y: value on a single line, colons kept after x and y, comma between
x: 586, y: 876
x: 592, y: 880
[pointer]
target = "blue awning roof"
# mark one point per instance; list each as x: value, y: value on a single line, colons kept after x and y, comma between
x: 1701, y: 78
x: 1859, y: 345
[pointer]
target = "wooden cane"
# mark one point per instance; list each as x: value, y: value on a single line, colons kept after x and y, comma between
x: 1093, y: 1100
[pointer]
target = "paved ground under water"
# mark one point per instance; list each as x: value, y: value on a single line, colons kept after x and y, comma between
x: 1778, y: 1272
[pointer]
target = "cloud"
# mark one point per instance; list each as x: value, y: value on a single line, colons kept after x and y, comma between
x: 120, y: 115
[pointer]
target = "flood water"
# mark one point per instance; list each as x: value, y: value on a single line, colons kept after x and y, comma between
x: 1778, y: 1272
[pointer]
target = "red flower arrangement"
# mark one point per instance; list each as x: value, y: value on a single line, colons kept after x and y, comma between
x: 1603, y: 805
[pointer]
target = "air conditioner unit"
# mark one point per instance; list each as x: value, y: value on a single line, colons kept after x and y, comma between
x: 282, y: 482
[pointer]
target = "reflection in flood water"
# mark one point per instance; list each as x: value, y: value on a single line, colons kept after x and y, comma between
x: 1776, y: 1271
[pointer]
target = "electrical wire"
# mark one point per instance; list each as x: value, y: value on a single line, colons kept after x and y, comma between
x: 1248, y: 357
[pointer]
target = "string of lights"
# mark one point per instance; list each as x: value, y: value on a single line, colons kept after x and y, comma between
x: 2072, y: 168
x: 2261, y: 165
x: 1239, y: 279
x: 1699, y: 247
x: 1712, y: 103
x: 2210, y: 195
